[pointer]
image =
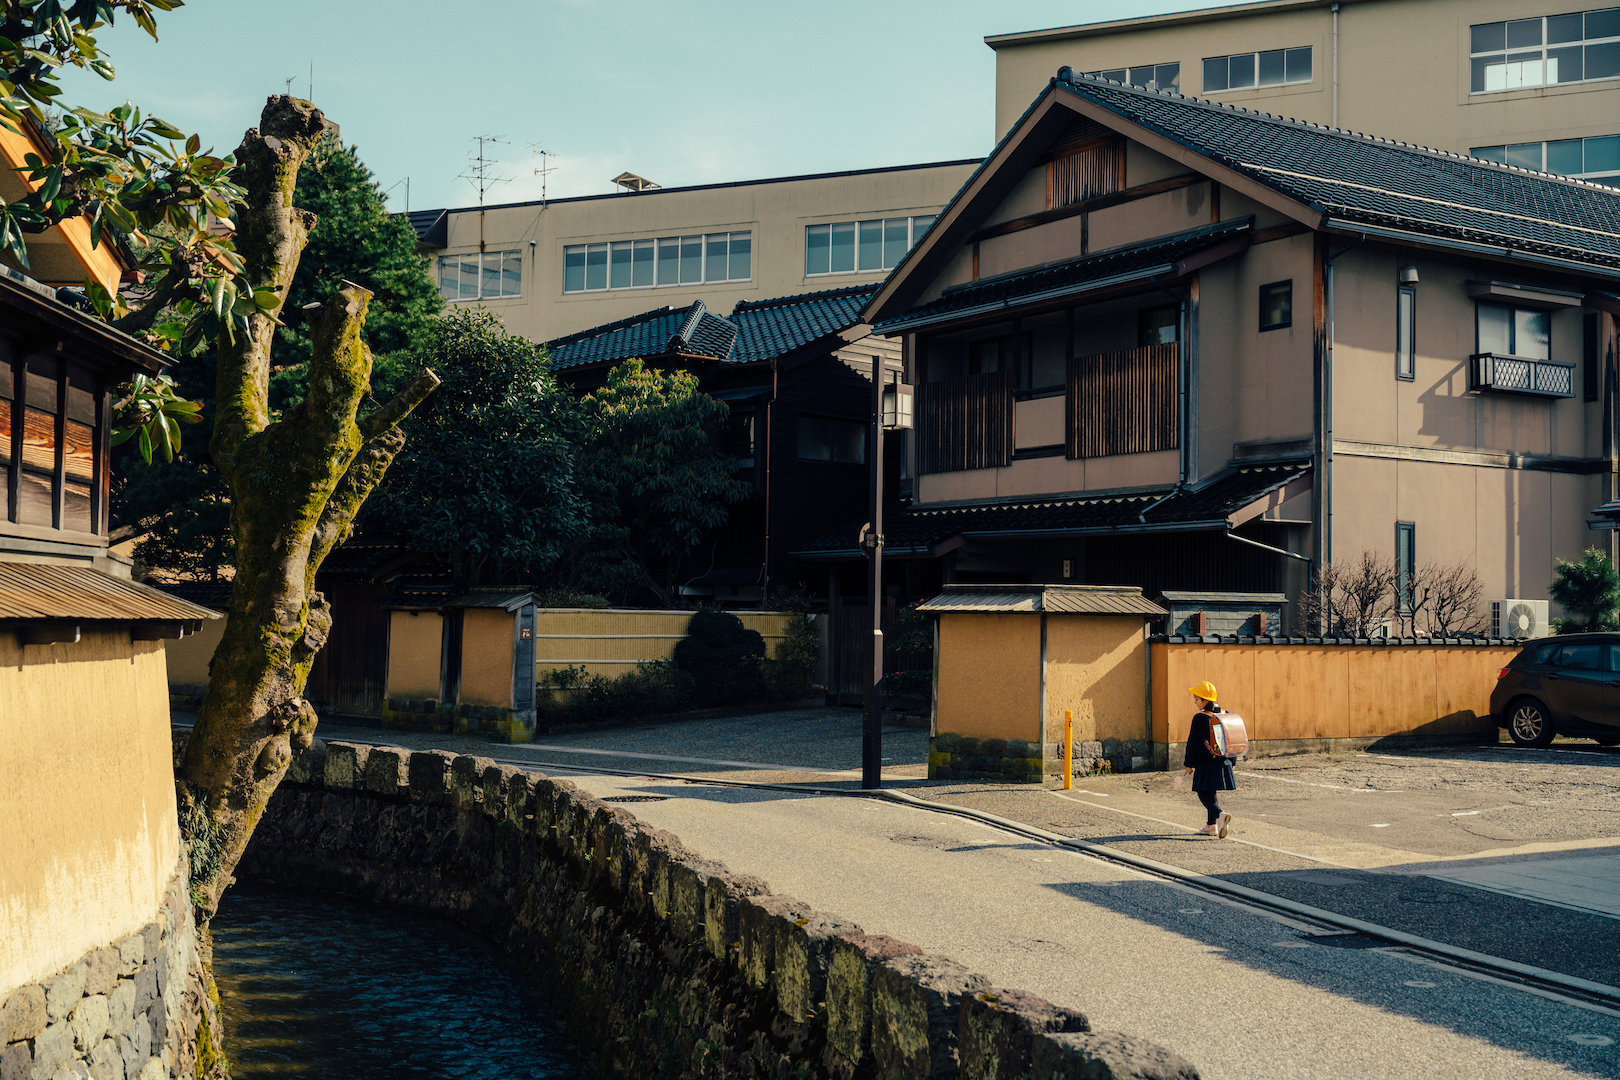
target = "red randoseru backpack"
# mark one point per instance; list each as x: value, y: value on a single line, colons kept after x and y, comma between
x: 1228, y: 738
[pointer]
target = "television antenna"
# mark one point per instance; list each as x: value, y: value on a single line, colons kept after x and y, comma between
x: 480, y: 173
x: 544, y: 170
x: 289, y: 81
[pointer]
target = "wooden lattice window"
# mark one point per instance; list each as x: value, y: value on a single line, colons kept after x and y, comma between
x: 1123, y: 402
x: 1085, y: 171
x: 965, y: 423
x: 53, y: 446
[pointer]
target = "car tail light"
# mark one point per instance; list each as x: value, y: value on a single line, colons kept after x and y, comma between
x: 1503, y: 673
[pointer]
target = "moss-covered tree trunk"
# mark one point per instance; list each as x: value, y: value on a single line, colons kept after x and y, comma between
x: 295, y: 483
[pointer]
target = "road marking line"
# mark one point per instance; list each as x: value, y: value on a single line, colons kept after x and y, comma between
x: 1590, y: 1040
x: 1385, y: 825
x: 1307, y: 783
x: 1401, y: 953
x: 1464, y: 813
x: 1190, y: 829
x: 1420, y: 984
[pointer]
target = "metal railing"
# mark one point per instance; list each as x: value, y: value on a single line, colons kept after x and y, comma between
x: 1517, y: 375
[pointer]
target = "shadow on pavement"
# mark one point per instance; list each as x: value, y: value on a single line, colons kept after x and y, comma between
x: 1365, y: 970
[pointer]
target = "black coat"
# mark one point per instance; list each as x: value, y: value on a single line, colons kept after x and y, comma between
x: 1210, y: 773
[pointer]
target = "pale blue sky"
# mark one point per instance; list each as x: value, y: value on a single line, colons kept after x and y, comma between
x: 682, y: 93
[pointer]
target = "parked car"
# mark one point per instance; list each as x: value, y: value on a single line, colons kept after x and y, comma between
x: 1561, y: 686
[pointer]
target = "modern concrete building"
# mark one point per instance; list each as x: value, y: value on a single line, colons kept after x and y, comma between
x: 1155, y: 337
x: 1534, y: 83
x: 550, y: 269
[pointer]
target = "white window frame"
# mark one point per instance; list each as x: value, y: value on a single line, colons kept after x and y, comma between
x: 914, y: 232
x: 479, y: 257
x: 1535, y: 54
x: 1125, y: 75
x: 657, y: 246
x: 1257, y: 84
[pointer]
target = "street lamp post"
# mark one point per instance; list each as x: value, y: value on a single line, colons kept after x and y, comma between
x: 891, y: 408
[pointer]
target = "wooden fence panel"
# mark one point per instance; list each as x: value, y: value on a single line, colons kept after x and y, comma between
x: 1123, y: 402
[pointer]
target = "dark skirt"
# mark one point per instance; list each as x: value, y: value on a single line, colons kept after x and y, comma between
x: 1216, y: 776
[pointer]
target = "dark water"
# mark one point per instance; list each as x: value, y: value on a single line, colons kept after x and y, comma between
x: 313, y: 986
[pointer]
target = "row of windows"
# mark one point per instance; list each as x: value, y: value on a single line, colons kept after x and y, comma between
x: 1578, y: 47
x: 668, y: 260
x: 855, y: 247
x: 1276, y: 67
x: 1149, y: 77
x: 481, y: 275
x: 1242, y: 71
x: 845, y: 247
x: 1590, y: 159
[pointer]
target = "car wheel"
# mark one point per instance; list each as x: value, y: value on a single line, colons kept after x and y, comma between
x: 1529, y: 724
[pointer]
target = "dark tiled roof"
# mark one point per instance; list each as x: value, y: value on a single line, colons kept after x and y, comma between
x: 424, y: 590
x: 919, y: 527
x: 767, y: 328
x: 690, y: 331
x: 432, y: 226
x: 1359, y: 179
x: 1020, y: 286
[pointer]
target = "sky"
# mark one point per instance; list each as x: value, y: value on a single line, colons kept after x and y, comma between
x: 679, y: 91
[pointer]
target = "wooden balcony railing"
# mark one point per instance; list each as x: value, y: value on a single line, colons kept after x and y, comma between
x: 965, y: 423
x: 1123, y: 402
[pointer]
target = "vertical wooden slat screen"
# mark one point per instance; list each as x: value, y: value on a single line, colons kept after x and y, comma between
x: 1122, y: 402
x: 1084, y: 174
x: 965, y: 423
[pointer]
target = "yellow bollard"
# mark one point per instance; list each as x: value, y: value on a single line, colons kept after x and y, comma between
x: 1068, y: 749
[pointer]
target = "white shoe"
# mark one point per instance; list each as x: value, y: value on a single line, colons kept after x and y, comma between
x: 1223, y: 824
x: 1207, y: 830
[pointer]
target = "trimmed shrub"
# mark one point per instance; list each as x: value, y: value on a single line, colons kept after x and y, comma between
x: 723, y: 657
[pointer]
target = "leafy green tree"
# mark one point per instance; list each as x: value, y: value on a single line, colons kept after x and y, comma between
x: 123, y: 171
x: 655, y: 475
x: 355, y: 239
x: 1588, y: 590
x: 181, y: 510
x: 488, y: 481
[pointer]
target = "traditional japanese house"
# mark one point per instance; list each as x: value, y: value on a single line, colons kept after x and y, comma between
x: 1170, y: 343
x: 796, y: 373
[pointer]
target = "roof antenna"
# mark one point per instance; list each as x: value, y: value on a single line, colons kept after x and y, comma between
x: 480, y: 168
x: 544, y: 170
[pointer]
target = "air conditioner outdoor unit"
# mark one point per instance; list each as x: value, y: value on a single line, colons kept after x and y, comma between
x: 1518, y: 618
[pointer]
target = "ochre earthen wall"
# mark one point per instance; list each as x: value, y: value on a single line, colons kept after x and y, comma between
x: 88, y: 832
x: 1341, y: 692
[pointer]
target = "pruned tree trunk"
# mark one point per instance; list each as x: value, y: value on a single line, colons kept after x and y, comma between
x: 295, y: 483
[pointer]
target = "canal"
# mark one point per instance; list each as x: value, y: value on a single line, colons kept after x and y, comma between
x: 316, y: 986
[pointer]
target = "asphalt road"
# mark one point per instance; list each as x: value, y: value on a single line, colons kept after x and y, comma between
x: 1239, y: 992
x: 1507, y: 852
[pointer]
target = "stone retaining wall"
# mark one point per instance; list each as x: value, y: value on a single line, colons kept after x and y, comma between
x: 133, y: 1010
x: 660, y: 963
